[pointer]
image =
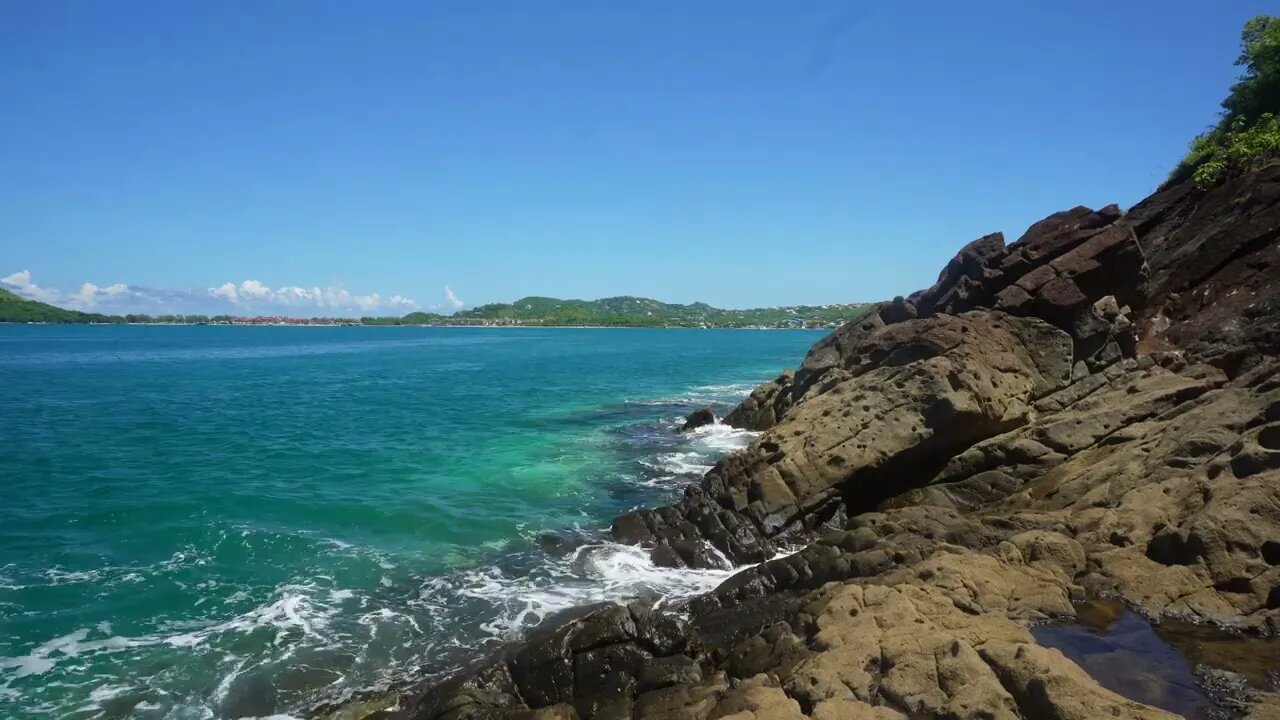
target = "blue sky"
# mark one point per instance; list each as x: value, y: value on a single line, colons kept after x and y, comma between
x: 365, y: 156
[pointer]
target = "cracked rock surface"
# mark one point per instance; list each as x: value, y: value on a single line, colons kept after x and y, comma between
x: 1090, y: 411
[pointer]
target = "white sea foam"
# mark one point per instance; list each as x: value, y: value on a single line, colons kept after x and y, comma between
x: 720, y: 438
x: 106, y: 692
x: 699, y: 449
x: 730, y: 389
x: 701, y: 395
x: 58, y: 576
x: 297, y: 608
x: 45, y: 657
x: 224, y: 685
x: 599, y: 572
x: 678, y: 463
x: 299, y: 622
x: 299, y: 614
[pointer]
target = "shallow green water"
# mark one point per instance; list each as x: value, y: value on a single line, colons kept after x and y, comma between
x: 219, y: 522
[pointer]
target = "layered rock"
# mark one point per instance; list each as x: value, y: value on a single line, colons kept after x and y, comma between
x: 1091, y: 410
x: 1213, y: 261
x: 879, y: 404
x: 1057, y: 271
x: 909, y: 396
x: 764, y: 406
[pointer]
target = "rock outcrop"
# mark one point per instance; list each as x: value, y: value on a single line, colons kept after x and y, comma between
x: 698, y: 418
x: 766, y: 404
x: 1092, y: 410
x: 1213, y: 258
x: 879, y: 404
x: 906, y: 397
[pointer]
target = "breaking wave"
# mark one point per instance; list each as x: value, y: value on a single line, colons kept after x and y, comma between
x: 260, y: 651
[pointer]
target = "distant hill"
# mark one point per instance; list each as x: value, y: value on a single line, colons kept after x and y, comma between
x: 15, y: 308
x: 625, y: 311
x: 647, y: 312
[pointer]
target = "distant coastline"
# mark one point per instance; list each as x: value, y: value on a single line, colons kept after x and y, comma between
x: 460, y: 326
x: 624, y: 311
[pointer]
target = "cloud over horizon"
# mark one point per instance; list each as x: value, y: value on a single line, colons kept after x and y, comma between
x: 249, y: 297
x: 454, y: 301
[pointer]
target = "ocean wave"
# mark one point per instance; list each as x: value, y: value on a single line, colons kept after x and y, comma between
x: 295, y: 618
x: 728, y: 394
x: 592, y: 573
x: 679, y: 463
x: 366, y: 633
x: 693, y: 454
x: 720, y: 438
x: 297, y: 609
x: 732, y: 388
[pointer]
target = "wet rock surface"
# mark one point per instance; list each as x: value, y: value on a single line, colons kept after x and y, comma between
x: 1091, y: 411
x: 698, y: 418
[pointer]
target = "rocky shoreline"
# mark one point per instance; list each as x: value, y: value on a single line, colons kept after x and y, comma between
x: 1091, y: 411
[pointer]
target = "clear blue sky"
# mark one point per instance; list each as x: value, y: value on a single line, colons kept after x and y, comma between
x: 739, y: 153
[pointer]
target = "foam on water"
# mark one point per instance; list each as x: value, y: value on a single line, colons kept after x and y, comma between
x: 592, y: 573
x: 450, y: 615
x: 699, y: 450
x: 719, y: 438
x: 358, y: 614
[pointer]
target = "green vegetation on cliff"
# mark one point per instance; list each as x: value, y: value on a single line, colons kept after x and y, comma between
x: 413, y: 318
x: 15, y: 308
x: 1248, y: 131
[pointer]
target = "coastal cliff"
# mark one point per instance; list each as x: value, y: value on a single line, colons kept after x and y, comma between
x: 1091, y: 411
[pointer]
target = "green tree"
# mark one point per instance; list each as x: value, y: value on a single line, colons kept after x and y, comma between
x: 1257, y: 92
x: 1247, y: 132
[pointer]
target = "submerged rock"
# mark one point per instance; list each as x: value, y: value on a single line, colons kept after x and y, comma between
x: 561, y: 542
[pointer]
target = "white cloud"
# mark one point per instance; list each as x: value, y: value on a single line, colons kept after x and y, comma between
x: 226, y: 291
x: 260, y: 297
x: 252, y: 289
x: 20, y: 283
x: 255, y: 296
x: 454, y: 301
x: 91, y: 294
x: 249, y: 297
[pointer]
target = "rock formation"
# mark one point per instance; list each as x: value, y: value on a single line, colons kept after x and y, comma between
x: 698, y: 418
x: 1091, y: 410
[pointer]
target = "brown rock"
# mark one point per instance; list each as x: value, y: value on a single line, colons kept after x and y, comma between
x: 698, y: 418
x: 765, y: 406
x: 962, y: 462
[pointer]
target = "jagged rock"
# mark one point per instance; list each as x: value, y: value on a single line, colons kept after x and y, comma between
x: 917, y: 392
x: 764, y: 406
x: 1056, y: 271
x: 965, y: 282
x: 1215, y: 269
x: 962, y: 462
x: 698, y: 418
x: 828, y: 352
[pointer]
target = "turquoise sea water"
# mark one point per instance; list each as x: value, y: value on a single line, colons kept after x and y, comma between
x: 205, y: 522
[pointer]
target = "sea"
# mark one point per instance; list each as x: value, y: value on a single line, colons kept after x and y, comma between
x: 226, y: 522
